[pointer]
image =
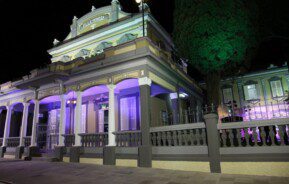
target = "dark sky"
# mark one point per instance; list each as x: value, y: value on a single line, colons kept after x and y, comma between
x: 29, y: 27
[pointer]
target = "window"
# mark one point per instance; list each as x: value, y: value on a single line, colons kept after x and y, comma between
x: 128, y: 113
x: 276, y: 88
x: 251, y: 92
x: 227, y: 95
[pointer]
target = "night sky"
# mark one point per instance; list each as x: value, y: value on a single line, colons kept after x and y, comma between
x: 29, y: 27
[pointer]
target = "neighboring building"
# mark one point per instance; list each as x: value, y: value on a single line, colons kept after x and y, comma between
x: 105, y: 78
x: 258, y: 95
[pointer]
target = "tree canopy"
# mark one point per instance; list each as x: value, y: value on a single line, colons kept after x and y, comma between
x: 214, y: 35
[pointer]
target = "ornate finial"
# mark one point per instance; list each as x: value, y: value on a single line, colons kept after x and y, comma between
x: 75, y: 18
x: 55, y: 42
x: 114, y: 1
x: 92, y: 8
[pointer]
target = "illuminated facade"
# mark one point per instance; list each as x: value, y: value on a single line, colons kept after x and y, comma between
x: 106, y: 79
x: 258, y: 96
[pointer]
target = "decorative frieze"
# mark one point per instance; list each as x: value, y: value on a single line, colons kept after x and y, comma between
x: 48, y: 92
x: 86, y: 85
x: 120, y: 77
x: 70, y: 88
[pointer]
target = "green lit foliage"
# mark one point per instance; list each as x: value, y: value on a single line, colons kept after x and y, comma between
x: 214, y: 34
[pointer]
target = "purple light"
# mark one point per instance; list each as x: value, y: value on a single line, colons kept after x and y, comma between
x: 129, y: 83
x: 50, y: 99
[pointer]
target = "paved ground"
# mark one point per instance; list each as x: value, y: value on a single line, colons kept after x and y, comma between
x: 41, y: 172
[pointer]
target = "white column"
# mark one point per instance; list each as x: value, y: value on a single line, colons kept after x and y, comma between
x: 77, y: 118
x: 7, y: 125
x: 35, y: 123
x: 62, y: 122
x: 24, y: 123
x: 111, y: 115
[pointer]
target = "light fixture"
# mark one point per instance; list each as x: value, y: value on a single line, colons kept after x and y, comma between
x: 143, y: 17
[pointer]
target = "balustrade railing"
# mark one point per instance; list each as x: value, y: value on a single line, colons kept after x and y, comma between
x: 94, y: 140
x: 179, y: 135
x: 13, y: 141
x: 1, y: 141
x: 272, y: 132
x: 69, y: 140
x: 27, y: 141
x: 128, y: 138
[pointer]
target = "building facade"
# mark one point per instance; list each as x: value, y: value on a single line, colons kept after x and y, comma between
x: 108, y: 80
x: 258, y: 95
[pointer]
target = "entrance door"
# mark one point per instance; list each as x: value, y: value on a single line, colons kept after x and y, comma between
x: 103, y: 117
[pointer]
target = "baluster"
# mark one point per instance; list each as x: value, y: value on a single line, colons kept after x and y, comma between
x: 175, y: 138
x: 197, y: 136
x: 201, y: 136
x: 129, y: 141
x: 231, y: 137
x: 164, y: 138
x: 263, y: 136
x: 121, y: 139
x: 184, y: 137
x: 82, y: 140
x: 272, y: 135
x: 117, y: 139
x: 95, y: 139
x: 180, y: 141
x: 169, y: 138
x: 224, y: 137
x: 204, y: 133
x: 159, y: 138
x: 247, y: 136
x: 282, y: 130
x: 255, y: 136
x: 191, y: 137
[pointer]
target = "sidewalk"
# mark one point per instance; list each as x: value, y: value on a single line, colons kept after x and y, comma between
x: 41, y: 172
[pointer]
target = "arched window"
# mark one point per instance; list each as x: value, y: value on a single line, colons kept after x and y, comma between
x: 126, y: 38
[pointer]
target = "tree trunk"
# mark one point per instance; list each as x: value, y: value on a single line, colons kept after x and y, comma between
x: 212, y: 80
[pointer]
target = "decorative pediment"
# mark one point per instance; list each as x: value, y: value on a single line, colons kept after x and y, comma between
x: 103, y: 45
x: 83, y: 53
x: 65, y: 58
x: 126, y: 38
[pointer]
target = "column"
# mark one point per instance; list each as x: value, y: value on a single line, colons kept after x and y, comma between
x: 7, y: 125
x: 111, y: 115
x: 145, y: 150
x: 35, y: 123
x: 211, y: 121
x: 78, y: 118
x: 62, y: 122
x: 24, y: 123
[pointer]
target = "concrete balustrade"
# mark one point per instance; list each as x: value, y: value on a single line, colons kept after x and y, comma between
x: 94, y: 140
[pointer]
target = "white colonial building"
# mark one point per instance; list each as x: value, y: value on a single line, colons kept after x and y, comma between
x: 106, y: 86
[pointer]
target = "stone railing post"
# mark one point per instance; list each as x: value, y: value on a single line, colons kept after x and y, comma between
x: 145, y: 150
x: 60, y: 150
x: 211, y: 121
x: 6, y: 130
x: 77, y: 150
x: 109, y: 150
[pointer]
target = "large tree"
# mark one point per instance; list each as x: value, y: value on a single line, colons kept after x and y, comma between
x: 216, y: 36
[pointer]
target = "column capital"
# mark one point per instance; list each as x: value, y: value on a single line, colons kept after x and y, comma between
x: 111, y: 86
x: 9, y: 107
x: 144, y: 81
x: 25, y: 104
